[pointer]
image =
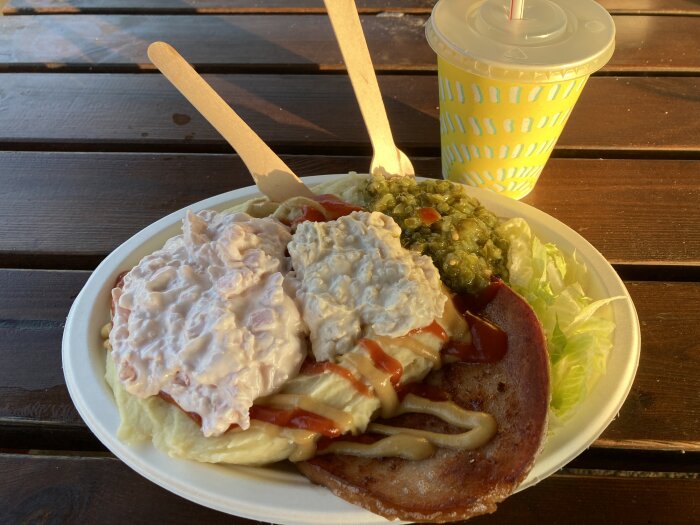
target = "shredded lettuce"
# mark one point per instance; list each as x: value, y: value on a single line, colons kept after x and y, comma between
x: 578, y: 329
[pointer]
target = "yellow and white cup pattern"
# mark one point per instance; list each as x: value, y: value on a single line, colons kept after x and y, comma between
x: 498, y: 134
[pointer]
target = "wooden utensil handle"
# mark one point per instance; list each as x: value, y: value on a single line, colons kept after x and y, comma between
x: 271, y: 174
x: 347, y: 27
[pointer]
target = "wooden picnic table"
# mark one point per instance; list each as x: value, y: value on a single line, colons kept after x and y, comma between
x: 95, y: 144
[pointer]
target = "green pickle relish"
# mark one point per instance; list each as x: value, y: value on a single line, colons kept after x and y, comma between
x: 438, y: 219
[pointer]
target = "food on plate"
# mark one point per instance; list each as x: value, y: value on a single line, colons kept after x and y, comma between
x: 368, y: 335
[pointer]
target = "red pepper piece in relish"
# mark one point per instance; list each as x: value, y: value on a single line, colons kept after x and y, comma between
x: 429, y: 215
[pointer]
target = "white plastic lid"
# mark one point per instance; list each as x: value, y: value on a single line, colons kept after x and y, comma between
x: 555, y: 40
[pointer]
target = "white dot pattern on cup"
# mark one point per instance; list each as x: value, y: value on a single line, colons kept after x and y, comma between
x: 458, y: 154
x: 448, y: 121
x: 554, y: 120
x: 460, y: 92
x: 476, y: 128
x: 448, y: 90
x: 557, y: 91
x: 511, y: 179
x: 490, y: 127
x: 553, y: 91
x: 460, y: 124
x: 454, y: 123
x: 534, y: 93
x: 465, y: 152
x: 515, y: 93
x: 499, y: 135
x: 569, y: 89
x: 478, y: 97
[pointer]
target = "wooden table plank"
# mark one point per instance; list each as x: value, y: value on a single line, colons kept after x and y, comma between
x: 661, y: 413
x: 210, y: 6
x: 634, y: 204
x: 642, y: 212
x: 292, y: 42
x: 67, y: 210
x: 61, y: 489
x: 662, y: 393
x: 33, y: 306
x: 247, y: 6
x: 37, y: 296
x: 640, y: 116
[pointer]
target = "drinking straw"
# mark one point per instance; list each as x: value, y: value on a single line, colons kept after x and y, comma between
x: 516, y: 9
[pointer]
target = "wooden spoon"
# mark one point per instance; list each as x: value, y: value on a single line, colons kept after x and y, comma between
x: 387, y: 159
x: 272, y: 176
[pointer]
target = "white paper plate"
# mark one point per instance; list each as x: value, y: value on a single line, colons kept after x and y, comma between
x: 280, y: 494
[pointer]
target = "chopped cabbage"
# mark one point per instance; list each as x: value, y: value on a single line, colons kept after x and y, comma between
x: 578, y: 329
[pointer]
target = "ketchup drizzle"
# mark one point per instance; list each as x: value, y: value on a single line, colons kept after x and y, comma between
x: 295, y: 418
x: 311, y: 367
x: 433, y: 328
x: 383, y: 361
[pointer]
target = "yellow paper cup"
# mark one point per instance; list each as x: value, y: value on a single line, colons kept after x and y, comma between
x: 498, y: 135
x: 506, y: 91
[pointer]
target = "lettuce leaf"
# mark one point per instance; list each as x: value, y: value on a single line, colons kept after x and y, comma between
x: 578, y: 329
